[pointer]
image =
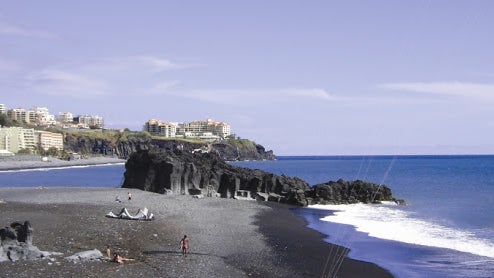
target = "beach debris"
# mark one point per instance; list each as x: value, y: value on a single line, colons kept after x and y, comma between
x: 16, y: 244
x: 89, y: 255
x: 143, y: 214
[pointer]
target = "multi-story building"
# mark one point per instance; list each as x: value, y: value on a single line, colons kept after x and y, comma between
x: 47, y: 140
x: 90, y: 120
x: 207, y: 130
x: 29, y: 138
x: 221, y: 129
x: 3, y: 109
x: 156, y: 127
x: 42, y: 116
x: 65, y: 117
x: 14, y: 139
x: 21, y: 115
x: 200, y: 128
x: 36, y: 115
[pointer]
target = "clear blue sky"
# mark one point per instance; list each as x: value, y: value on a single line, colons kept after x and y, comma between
x: 299, y: 77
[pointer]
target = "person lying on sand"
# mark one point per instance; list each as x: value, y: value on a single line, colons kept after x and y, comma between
x: 119, y: 259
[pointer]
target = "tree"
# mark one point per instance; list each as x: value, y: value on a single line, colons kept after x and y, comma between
x: 24, y: 151
x: 5, y: 121
x: 52, y: 151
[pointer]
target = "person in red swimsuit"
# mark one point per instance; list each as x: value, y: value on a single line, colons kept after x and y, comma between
x: 184, y: 245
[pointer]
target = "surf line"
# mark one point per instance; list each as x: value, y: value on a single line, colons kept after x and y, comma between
x: 341, y: 252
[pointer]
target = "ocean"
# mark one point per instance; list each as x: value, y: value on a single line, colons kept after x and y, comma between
x: 108, y: 175
x: 445, y: 230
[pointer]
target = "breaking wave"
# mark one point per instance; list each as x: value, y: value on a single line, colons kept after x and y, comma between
x: 388, y: 221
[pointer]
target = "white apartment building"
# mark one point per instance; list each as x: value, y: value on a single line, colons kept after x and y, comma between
x: 3, y: 109
x: 90, y: 120
x: 156, y: 127
x: 47, y: 140
x: 65, y: 117
x: 36, y: 115
x: 14, y: 139
x: 42, y: 116
x: 201, y: 128
x: 208, y: 130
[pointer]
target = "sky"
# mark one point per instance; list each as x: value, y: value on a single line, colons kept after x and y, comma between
x: 298, y: 77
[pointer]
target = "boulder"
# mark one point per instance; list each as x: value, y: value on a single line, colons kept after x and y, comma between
x: 16, y: 243
x: 85, y: 256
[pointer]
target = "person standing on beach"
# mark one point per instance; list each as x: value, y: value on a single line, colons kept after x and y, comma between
x: 130, y: 196
x: 184, y: 245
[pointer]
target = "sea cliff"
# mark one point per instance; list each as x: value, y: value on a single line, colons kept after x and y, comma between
x: 207, y: 174
x: 123, y: 144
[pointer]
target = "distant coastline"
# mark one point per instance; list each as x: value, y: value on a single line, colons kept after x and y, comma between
x: 37, y: 162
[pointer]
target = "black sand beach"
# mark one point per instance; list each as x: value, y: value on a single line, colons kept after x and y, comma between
x: 228, y: 238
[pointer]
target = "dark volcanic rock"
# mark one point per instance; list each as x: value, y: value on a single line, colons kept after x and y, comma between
x: 185, y: 172
x: 123, y: 146
x: 15, y: 243
x: 247, y: 151
x: 350, y: 192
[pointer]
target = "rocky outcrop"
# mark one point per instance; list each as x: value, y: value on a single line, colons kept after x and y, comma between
x: 337, y: 192
x: 184, y: 172
x: 16, y: 243
x: 123, y: 145
x: 232, y: 150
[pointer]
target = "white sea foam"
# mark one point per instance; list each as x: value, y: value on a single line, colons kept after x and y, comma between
x: 387, y: 221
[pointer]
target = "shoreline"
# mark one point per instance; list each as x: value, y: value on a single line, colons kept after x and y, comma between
x: 229, y: 238
x: 15, y: 164
x: 326, y: 259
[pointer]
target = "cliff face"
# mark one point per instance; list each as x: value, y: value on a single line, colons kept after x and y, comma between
x: 231, y: 150
x: 184, y: 172
x: 123, y: 146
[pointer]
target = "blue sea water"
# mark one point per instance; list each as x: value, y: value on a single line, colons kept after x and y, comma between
x: 445, y: 230
x: 108, y: 175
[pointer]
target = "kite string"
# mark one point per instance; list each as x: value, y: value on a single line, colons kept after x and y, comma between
x: 342, y: 255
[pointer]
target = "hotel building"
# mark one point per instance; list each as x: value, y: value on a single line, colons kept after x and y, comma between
x: 207, y: 130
